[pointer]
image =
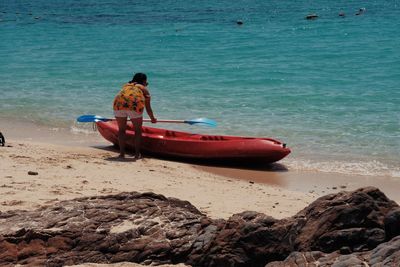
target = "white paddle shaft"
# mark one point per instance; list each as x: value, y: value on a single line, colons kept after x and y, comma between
x: 173, y: 121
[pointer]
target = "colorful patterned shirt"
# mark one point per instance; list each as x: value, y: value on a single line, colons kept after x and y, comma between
x: 130, y: 97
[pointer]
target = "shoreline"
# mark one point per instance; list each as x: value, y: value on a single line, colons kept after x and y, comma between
x: 83, y: 134
x: 87, y: 155
x: 24, y: 130
x: 308, y: 182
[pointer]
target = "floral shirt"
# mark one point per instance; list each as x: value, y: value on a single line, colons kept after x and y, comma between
x: 130, y: 97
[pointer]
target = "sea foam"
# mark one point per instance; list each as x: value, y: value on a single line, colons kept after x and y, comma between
x: 367, y: 168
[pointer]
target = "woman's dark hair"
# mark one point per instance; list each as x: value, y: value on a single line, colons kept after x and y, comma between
x: 139, y: 78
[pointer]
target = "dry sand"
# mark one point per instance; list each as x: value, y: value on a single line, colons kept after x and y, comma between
x: 66, y: 172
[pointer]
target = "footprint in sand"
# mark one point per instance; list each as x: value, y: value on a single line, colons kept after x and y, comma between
x: 50, y: 201
x: 107, y: 190
x: 56, y: 192
x: 19, y: 157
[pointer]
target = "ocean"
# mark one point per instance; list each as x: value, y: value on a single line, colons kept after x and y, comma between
x: 327, y: 87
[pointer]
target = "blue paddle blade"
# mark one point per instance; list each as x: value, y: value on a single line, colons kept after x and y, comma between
x: 91, y: 118
x: 202, y: 121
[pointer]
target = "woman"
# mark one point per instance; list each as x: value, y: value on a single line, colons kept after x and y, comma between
x: 130, y: 102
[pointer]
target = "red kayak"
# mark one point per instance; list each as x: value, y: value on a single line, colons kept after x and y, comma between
x: 169, y: 143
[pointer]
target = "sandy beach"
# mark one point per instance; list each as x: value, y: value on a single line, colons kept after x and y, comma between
x: 40, y: 166
x: 36, y: 174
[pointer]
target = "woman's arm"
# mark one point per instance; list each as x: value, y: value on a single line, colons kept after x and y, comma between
x: 147, y: 104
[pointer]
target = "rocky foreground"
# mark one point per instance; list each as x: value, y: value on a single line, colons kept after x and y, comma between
x: 357, y: 228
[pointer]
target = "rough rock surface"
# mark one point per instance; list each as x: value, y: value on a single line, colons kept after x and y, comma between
x: 152, y: 229
x: 347, y: 221
x: 386, y: 254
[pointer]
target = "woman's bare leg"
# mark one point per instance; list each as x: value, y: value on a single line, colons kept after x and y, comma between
x: 137, y: 125
x: 121, y: 135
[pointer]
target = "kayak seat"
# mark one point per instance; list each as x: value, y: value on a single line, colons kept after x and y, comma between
x: 213, y: 138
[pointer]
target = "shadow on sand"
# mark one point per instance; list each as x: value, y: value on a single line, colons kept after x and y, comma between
x: 232, y: 164
x: 117, y: 158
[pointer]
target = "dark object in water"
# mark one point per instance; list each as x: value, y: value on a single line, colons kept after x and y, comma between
x: 312, y: 16
x: 239, y: 22
x: 361, y: 11
x: 342, y: 14
x: 2, y: 139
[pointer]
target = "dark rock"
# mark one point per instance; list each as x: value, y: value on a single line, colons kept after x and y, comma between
x: 124, y: 227
x: 345, y: 250
x: 152, y: 229
x: 355, y: 220
x: 386, y: 254
x: 392, y: 224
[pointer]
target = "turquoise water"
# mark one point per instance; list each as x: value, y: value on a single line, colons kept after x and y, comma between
x: 329, y: 87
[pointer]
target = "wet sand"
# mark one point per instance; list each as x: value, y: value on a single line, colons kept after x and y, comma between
x: 319, y: 183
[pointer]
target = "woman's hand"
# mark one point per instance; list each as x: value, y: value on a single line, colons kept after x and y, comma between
x: 153, y: 120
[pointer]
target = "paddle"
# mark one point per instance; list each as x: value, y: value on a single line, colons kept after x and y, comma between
x: 202, y: 121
